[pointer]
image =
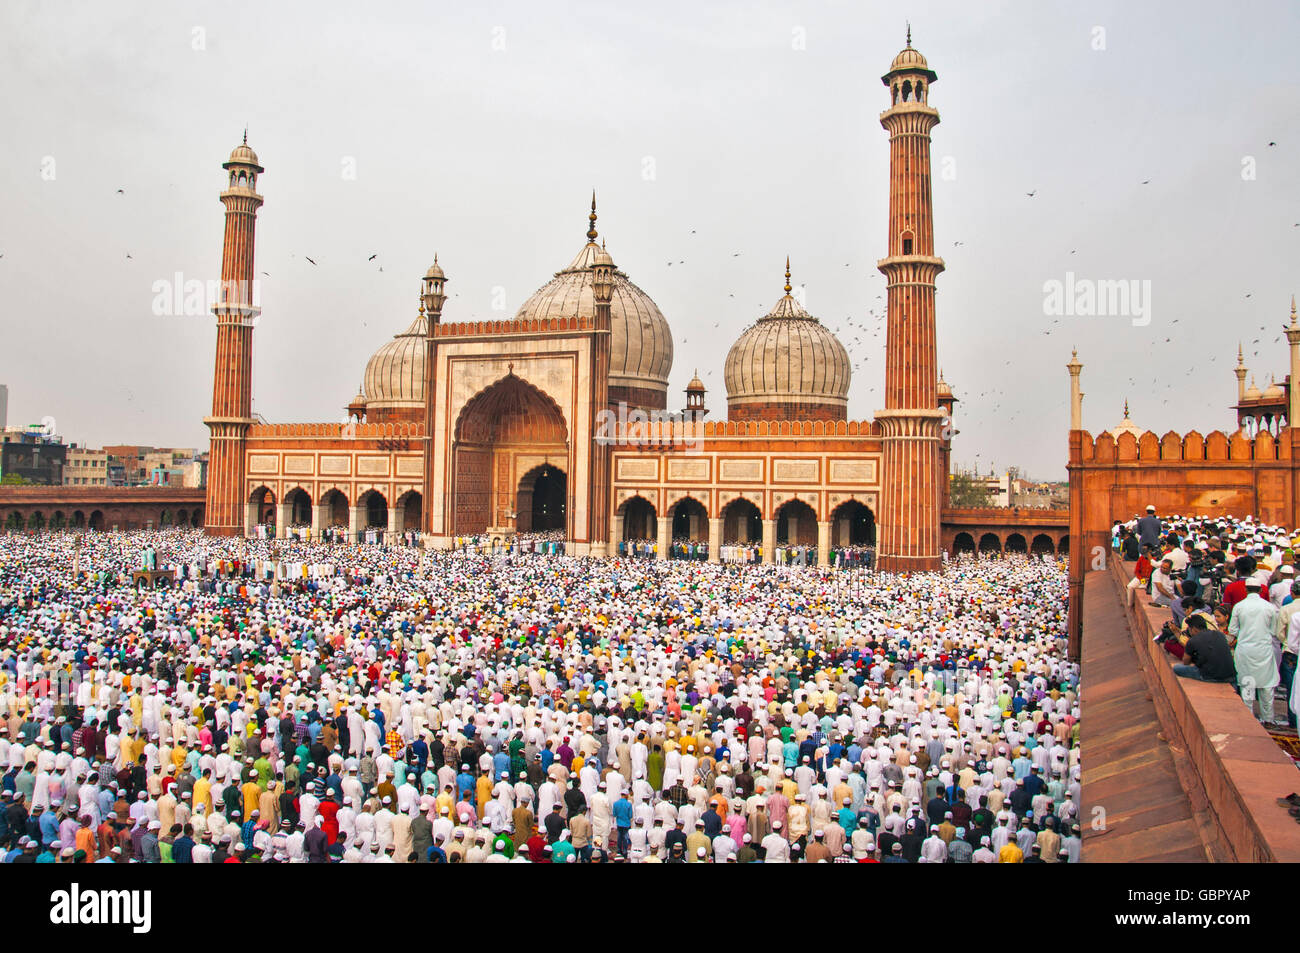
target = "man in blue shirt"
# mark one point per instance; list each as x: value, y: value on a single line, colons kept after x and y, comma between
x: 623, y: 818
x: 49, y: 824
x: 464, y: 782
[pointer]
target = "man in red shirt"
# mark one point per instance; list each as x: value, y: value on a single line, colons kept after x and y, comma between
x: 1235, y: 591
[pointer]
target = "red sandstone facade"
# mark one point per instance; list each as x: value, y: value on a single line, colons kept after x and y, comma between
x: 501, y: 426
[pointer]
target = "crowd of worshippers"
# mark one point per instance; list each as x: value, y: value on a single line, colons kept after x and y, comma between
x: 462, y: 707
x: 1232, y: 592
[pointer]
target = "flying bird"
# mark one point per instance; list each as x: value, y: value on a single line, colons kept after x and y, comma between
x: 304, y: 256
x: 373, y: 257
x: 121, y: 191
x: 1032, y: 194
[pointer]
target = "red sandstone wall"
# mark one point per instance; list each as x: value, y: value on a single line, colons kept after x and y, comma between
x: 781, y: 410
x: 644, y: 397
x: 1178, y: 474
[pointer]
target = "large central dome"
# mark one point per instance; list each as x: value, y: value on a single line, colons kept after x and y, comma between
x: 787, y: 366
x: 641, y: 343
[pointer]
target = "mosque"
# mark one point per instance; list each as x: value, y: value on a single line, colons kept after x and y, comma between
x: 559, y: 418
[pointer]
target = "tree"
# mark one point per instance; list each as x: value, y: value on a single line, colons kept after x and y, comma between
x: 15, y: 479
x: 967, y: 491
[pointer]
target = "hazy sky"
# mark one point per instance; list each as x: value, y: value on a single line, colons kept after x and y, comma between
x: 478, y: 130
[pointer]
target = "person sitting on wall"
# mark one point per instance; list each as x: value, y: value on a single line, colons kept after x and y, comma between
x: 1188, y: 601
x: 1141, y: 574
x: 1175, y: 633
x: 1129, y: 547
x: 1206, y: 648
x: 1163, y: 592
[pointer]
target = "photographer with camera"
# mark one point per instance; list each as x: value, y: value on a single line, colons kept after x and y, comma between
x: 1163, y: 592
x: 1206, y: 648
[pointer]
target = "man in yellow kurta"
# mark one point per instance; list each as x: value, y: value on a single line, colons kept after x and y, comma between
x: 252, y: 792
x: 203, y: 793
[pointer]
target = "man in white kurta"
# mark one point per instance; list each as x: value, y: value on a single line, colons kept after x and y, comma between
x: 1253, y: 622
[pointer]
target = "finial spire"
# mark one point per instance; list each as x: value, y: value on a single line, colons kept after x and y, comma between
x: 245, y: 133
x: 788, y: 289
x: 591, y: 219
x: 1240, y: 359
x: 1293, y: 309
x: 909, y: 34
x: 1126, y: 408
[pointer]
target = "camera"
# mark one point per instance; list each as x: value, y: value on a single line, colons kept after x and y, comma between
x: 1167, y: 631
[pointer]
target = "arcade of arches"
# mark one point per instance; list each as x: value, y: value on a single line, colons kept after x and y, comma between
x: 57, y: 508
x: 297, y: 511
x: 852, y: 523
x: 1041, y: 544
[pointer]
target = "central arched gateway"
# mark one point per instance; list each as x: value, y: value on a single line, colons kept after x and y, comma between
x: 542, y: 500
x: 505, y: 433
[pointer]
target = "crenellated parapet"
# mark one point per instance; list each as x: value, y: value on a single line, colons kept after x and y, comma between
x: 1192, y: 447
x: 324, y: 431
x: 496, y: 328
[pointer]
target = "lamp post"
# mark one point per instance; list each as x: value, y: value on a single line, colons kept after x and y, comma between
x: 433, y: 296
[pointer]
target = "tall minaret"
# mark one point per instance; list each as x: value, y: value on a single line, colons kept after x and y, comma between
x: 232, y: 385
x: 912, y: 419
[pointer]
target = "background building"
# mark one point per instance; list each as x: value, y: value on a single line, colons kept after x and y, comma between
x: 1006, y: 489
x: 85, y: 467
x: 31, y: 455
x: 133, y: 465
